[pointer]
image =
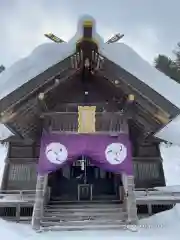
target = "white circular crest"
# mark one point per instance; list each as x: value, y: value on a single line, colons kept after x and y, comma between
x: 56, y: 153
x: 116, y: 153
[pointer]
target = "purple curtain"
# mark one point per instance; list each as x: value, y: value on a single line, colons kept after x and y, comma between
x: 110, y: 153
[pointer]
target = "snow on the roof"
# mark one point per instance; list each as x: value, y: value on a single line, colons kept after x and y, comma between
x: 127, y: 58
x: 41, y: 58
x: 49, y: 54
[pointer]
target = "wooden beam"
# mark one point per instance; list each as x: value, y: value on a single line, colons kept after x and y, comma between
x: 149, y: 106
x: 142, y: 90
x: 6, y: 117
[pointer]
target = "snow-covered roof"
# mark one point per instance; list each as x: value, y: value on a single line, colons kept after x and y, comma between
x: 46, y: 55
x: 41, y: 58
x: 127, y: 58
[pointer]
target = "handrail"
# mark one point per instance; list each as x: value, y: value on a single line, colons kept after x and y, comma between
x: 21, y: 195
x: 155, y: 192
x: 17, y: 191
x: 52, y: 114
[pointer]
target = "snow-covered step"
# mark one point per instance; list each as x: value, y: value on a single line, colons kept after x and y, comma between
x: 83, y: 225
x: 60, y: 216
x: 85, y: 213
x: 87, y: 227
x: 83, y: 218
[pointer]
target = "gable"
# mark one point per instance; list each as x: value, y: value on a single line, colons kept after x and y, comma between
x: 20, y: 110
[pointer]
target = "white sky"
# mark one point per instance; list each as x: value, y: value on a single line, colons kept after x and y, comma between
x: 149, y: 26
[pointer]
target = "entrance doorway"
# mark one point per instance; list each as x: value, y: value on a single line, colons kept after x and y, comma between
x: 83, y: 181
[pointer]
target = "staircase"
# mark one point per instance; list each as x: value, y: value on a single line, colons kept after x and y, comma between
x: 83, y: 215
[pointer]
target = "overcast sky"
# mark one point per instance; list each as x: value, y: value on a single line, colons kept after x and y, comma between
x: 150, y: 26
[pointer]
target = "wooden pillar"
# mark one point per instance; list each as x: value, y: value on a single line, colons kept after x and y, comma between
x: 130, y: 198
x: 39, y: 201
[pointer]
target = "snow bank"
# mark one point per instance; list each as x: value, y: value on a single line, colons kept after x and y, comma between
x: 13, y: 231
x: 169, y: 220
x: 147, y: 231
x: 171, y: 164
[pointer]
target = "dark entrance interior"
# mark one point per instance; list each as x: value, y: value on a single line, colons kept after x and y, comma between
x: 84, y: 181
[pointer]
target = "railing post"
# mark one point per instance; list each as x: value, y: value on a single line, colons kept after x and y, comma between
x: 38, y: 204
x: 18, y: 212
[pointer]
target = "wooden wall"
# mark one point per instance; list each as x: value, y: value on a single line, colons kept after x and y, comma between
x: 20, y: 172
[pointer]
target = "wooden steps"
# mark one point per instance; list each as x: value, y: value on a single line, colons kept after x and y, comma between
x: 83, y: 216
x: 83, y: 225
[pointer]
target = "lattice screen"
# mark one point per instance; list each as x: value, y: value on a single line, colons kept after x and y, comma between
x: 147, y: 170
x: 22, y: 176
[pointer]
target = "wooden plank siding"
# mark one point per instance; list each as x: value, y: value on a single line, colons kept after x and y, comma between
x: 21, y: 170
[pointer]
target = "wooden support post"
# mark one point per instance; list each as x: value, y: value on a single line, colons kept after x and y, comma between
x: 130, y: 199
x: 149, y: 209
x: 39, y: 202
x: 18, y: 212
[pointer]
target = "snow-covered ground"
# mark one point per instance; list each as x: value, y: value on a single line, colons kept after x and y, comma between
x: 163, y: 225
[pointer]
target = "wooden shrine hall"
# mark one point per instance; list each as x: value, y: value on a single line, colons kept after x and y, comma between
x: 85, y: 93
